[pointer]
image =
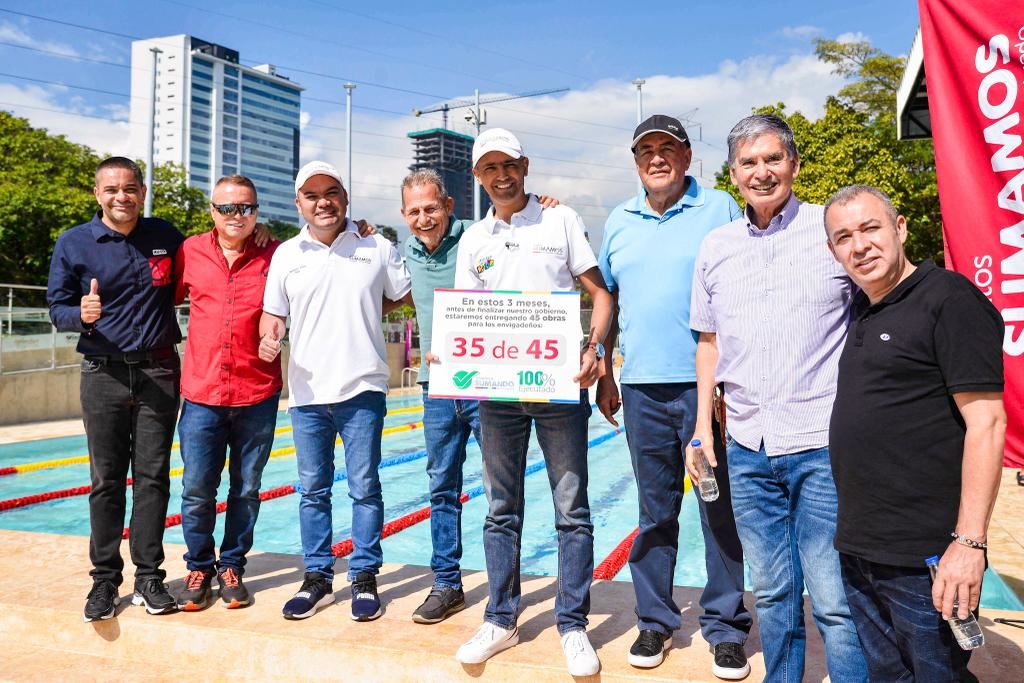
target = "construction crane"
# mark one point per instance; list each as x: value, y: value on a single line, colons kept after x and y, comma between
x: 478, y: 118
x: 475, y: 115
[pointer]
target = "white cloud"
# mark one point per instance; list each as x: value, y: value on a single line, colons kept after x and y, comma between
x: 852, y: 37
x: 11, y: 33
x: 801, y: 32
x: 107, y: 133
x: 586, y: 165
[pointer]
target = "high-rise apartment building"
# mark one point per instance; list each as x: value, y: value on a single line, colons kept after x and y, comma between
x: 216, y: 117
x: 451, y: 155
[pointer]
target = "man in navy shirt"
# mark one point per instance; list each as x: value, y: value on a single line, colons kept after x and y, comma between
x: 111, y: 281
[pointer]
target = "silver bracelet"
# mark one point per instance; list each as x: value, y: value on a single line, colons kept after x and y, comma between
x: 969, y: 542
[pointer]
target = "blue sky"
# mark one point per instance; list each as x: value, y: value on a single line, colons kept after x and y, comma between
x: 712, y: 61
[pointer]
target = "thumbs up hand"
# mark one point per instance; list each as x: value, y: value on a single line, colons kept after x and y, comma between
x: 270, y: 346
x: 91, y: 308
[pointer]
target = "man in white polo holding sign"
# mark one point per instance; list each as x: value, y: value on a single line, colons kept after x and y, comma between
x: 520, y: 246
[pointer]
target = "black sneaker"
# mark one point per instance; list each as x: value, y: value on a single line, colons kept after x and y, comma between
x: 365, y: 603
x: 648, y: 649
x: 101, y: 601
x: 232, y: 590
x: 316, y: 592
x: 440, y: 603
x: 196, y: 594
x: 730, y: 662
x: 152, y: 593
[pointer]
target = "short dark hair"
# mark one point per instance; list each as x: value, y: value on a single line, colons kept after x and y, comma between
x: 122, y: 162
x: 236, y: 180
x: 851, y: 192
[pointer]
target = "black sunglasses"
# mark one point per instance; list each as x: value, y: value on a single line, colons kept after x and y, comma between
x: 232, y: 209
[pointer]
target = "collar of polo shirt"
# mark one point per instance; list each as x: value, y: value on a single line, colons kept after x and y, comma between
x: 530, y: 213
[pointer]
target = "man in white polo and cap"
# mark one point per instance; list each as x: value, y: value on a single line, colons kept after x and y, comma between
x: 332, y: 283
x: 520, y: 245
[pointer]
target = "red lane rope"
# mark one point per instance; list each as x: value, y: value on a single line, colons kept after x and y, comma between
x: 616, y: 559
x: 393, y: 527
x: 25, y: 501
x: 269, y: 494
x: 8, y: 470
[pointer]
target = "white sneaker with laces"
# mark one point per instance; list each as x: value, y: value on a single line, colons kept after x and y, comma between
x: 579, y: 654
x: 488, y: 641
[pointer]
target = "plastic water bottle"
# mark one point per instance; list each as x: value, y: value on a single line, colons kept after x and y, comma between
x: 706, y: 484
x: 967, y: 631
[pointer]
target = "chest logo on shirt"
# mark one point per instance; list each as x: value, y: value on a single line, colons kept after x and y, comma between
x: 358, y: 259
x: 550, y: 250
x: 483, y: 264
x: 159, y: 252
x: 160, y: 269
x: 884, y: 336
x: 512, y: 246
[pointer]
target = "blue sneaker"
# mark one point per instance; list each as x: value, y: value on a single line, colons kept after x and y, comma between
x: 316, y: 592
x: 365, y: 603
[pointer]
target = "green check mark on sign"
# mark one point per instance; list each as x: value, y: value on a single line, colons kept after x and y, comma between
x: 463, y: 379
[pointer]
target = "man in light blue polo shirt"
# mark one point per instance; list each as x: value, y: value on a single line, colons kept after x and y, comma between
x: 650, y: 245
x: 430, y: 255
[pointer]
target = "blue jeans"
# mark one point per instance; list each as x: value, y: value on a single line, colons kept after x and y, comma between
x: 206, y: 434
x: 447, y: 426
x: 904, y: 636
x: 785, y: 509
x: 562, y: 433
x: 659, y: 421
x: 359, y: 421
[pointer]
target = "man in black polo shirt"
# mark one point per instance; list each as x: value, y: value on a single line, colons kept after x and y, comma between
x: 916, y: 442
x: 110, y: 280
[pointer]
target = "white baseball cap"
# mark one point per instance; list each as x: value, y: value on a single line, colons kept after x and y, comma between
x: 316, y: 168
x: 496, y: 140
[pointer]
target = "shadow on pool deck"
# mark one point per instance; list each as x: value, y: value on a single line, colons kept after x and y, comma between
x: 47, y: 579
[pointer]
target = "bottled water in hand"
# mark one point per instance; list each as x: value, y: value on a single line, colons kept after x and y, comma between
x: 707, y: 485
x: 966, y: 631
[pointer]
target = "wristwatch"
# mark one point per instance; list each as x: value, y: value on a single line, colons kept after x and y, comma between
x: 598, y: 348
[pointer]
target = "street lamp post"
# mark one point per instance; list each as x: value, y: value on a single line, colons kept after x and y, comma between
x: 639, y: 83
x: 147, y: 205
x: 349, y: 87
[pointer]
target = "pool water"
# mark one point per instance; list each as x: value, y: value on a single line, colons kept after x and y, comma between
x: 612, y: 491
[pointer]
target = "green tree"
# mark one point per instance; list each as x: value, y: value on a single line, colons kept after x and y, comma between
x: 45, y: 187
x: 854, y: 142
x: 282, y: 230
x: 184, y: 207
x: 388, y: 233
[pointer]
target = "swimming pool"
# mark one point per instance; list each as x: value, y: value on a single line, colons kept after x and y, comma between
x: 612, y: 492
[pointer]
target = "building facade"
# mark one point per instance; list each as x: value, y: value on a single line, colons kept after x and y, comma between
x: 216, y: 117
x: 451, y: 155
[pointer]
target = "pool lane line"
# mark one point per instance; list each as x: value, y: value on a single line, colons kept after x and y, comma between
x: 288, y: 489
x: 25, y: 501
x: 82, y: 459
x: 402, y: 523
x: 617, y: 558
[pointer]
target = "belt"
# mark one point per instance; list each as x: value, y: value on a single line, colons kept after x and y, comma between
x: 135, y: 357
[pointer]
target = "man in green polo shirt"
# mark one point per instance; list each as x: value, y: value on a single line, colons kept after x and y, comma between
x: 430, y: 255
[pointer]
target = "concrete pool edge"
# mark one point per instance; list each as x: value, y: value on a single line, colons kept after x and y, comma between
x: 40, y: 611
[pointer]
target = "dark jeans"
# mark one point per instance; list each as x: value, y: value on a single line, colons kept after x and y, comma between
x: 562, y: 433
x: 206, y: 433
x: 659, y: 421
x: 447, y: 426
x: 904, y: 637
x: 129, y: 410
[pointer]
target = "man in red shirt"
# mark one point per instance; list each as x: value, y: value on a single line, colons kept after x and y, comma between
x: 231, y: 395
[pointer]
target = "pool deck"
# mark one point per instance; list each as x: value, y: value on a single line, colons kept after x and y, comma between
x: 46, y: 579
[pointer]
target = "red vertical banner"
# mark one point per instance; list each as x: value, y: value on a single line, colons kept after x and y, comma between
x: 974, y: 70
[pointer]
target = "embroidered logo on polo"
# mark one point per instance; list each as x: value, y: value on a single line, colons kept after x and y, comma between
x: 160, y: 269
x: 550, y: 250
x: 884, y: 336
x: 359, y: 259
x: 159, y: 252
x: 512, y: 246
x: 483, y: 264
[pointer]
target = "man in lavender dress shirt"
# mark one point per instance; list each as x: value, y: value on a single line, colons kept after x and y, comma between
x: 771, y: 306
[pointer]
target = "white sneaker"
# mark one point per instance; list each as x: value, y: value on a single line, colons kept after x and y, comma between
x: 488, y: 641
x: 579, y: 654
